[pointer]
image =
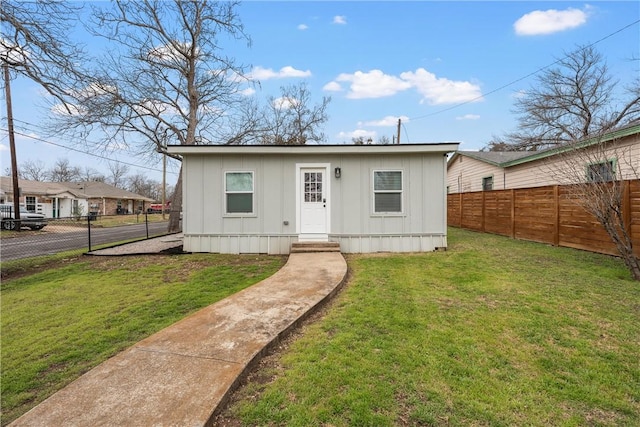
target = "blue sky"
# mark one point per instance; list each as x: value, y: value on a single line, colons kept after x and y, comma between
x: 449, y: 70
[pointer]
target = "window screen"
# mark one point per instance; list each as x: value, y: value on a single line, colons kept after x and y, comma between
x: 601, y: 172
x: 487, y: 183
x: 239, y: 192
x: 387, y: 191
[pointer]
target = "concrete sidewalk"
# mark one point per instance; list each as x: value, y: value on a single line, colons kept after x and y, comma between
x: 180, y: 375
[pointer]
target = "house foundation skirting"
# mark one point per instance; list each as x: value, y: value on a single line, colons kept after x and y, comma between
x: 281, y: 244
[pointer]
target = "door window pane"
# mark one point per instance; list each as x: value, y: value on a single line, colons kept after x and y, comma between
x: 313, y: 187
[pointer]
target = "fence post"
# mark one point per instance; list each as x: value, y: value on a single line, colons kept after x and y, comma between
x: 483, y: 210
x: 626, y: 207
x: 461, y: 207
x: 89, y: 230
x: 513, y: 213
x: 556, y: 228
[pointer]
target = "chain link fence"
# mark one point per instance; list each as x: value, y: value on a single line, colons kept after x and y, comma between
x: 36, y: 236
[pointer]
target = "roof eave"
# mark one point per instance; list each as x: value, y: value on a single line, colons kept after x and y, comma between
x: 444, y: 147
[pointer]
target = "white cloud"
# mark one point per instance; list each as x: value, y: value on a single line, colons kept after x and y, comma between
x: 435, y: 90
x: 3, y: 148
x: 519, y: 94
x: 387, y: 121
x: 549, y: 21
x: 284, y: 103
x: 12, y: 52
x: 468, y: 117
x: 439, y: 90
x: 261, y: 73
x: 373, y: 84
x: 332, y: 87
x: 303, y: 27
x: 248, y: 91
x: 340, y: 20
x: 357, y: 134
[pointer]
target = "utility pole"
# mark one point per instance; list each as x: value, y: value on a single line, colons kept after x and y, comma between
x: 12, y: 145
x: 399, y: 122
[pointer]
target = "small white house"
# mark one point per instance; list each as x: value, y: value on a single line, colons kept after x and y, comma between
x: 261, y: 199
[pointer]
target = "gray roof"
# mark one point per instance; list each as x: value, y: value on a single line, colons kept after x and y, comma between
x: 94, y: 189
x: 81, y: 190
x: 495, y: 157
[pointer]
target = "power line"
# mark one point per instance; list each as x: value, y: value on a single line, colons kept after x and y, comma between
x: 85, y: 152
x: 522, y: 78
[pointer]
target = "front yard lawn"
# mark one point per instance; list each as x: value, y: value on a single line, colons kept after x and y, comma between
x: 493, y: 332
x: 67, y: 317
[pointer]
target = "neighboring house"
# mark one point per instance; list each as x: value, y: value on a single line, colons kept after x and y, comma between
x: 261, y: 199
x: 469, y: 171
x: 106, y: 199
x: 60, y: 199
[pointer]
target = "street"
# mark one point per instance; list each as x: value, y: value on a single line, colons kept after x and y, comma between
x: 47, y: 243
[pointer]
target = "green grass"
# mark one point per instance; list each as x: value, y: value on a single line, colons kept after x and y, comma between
x: 493, y: 332
x: 58, y: 322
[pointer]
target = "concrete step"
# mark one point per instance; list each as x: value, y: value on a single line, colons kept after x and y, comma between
x: 306, y: 247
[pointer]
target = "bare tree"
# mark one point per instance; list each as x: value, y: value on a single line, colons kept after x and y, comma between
x: 598, y: 171
x: 384, y: 140
x: 144, y: 186
x: 292, y: 120
x: 62, y: 171
x: 574, y: 100
x: 166, y: 79
x: 118, y: 174
x: 34, y: 170
x: 35, y: 42
x: 90, y: 174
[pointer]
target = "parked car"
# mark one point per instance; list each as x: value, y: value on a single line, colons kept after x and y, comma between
x: 32, y: 220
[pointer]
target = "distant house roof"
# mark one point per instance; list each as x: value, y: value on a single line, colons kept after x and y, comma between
x: 80, y: 190
x: 495, y: 157
x: 39, y: 188
x: 506, y: 159
x: 94, y: 189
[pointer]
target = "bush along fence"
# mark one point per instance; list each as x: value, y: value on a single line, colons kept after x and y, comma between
x: 542, y: 214
x: 78, y: 234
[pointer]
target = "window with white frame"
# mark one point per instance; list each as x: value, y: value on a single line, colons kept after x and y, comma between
x: 601, y: 172
x: 239, y: 192
x: 387, y: 191
x: 30, y: 202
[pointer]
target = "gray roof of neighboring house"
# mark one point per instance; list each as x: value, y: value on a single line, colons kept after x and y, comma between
x: 38, y: 187
x: 81, y: 190
x: 495, y: 157
x: 94, y: 189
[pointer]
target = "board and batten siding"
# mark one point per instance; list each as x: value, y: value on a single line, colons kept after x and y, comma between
x: 272, y: 227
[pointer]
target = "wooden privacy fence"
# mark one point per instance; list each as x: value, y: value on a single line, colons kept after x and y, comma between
x: 542, y: 214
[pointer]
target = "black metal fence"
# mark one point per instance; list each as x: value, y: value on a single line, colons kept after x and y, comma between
x: 33, y: 237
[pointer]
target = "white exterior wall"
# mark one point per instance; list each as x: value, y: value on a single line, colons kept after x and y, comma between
x: 465, y: 175
x: 272, y: 228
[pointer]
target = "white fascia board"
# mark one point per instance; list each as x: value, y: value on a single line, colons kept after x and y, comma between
x: 444, y: 147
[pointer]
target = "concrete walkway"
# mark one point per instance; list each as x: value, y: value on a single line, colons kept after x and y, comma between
x: 180, y: 375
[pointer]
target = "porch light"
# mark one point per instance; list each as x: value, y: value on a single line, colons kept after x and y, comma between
x: 338, y: 172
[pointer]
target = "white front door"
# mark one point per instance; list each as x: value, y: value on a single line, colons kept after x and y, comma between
x: 313, y: 202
